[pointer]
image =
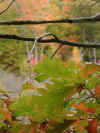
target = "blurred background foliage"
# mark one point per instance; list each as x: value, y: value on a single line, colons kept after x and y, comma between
x: 13, y: 54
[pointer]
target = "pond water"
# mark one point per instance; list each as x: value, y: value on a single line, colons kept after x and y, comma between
x: 10, y: 81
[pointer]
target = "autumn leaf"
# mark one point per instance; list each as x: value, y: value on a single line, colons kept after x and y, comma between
x: 93, y: 125
x: 80, y: 125
x: 7, y: 115
x: 88, y: 69
x: 97, y: 90
x: 84, y: 108
x: 91, y: 110
x: 81, y: 106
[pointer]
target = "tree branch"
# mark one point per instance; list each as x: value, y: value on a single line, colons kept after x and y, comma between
x: 55, y: 52
x: 10, y: 4
x: 52, y: 40
x: 95, y: 18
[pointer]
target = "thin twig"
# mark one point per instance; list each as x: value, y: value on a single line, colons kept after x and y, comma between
x: 55, y: 52
x: 34, y: 45
x: 41, y: 37
x: 95, y: 18
x: 4, y: 10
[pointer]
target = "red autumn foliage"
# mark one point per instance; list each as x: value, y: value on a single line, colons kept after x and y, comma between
x: 97, y: 89
x: 93, y: 126
x: 81, y: 106
x: 91, y: 110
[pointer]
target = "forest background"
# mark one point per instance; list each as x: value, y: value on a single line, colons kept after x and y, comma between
x: 13, y: 55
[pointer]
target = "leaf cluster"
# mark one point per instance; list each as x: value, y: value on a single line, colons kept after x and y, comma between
x: 60, y: 97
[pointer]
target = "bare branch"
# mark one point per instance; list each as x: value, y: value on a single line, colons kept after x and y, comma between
x: 10, y: 4
x: 95, y: 18
x: 63, y: 42
x: 59, y: 47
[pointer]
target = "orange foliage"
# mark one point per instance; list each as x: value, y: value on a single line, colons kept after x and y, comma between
x: 78, y: 126
x: 81, y: 106
x: 93, y: 126
x: 7, y: 114
x: 91, y: 110
x: 89, y: 69
x: 97, y: 89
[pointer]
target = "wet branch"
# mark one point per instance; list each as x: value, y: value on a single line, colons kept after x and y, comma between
x: 95, y: 18
x: 52, y: 40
